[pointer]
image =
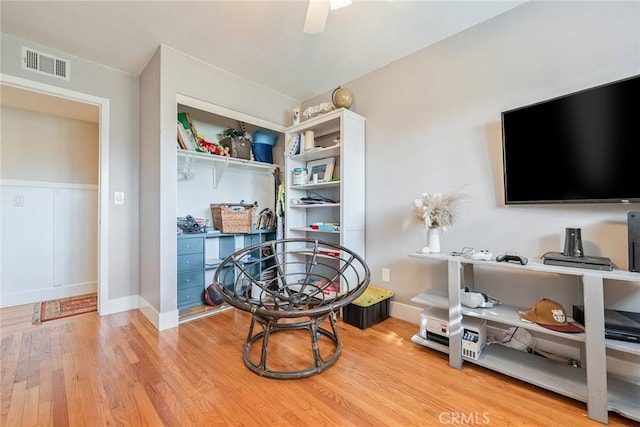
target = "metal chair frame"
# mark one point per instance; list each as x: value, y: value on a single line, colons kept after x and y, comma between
x: 292, y: 284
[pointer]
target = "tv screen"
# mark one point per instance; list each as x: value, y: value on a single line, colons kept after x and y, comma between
x: 579, y: 148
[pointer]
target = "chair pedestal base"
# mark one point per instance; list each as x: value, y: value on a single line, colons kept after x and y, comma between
x: 271, y: 326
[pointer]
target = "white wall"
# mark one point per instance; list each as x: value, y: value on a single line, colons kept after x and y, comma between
x: 433, y: 125
x: 195, y: 195
x: 42, y: 147
x: 122, y: 91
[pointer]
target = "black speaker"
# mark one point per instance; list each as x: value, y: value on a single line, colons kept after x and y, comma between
x: 633, y: 224
x: 573, y: 243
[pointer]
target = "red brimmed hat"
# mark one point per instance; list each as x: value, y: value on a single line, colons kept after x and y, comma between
x: 551, y: 315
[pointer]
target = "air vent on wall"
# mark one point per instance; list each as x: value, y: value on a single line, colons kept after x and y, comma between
x: 45, y: 64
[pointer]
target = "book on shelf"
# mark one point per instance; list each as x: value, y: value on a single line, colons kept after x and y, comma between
x: 190, y: 130
x: 187, y: 137
x: 294, y: 145
x: 181, y: 143
x: 186, y: 121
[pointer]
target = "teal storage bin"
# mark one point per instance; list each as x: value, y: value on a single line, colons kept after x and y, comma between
x: 263, y: 153
x: 263, y: 141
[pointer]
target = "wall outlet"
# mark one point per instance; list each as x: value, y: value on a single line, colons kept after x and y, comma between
x: 386, y: 275
x: 18, y: 200
x: 118, y: 198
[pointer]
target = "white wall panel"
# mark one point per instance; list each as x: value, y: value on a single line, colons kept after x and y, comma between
x: 49, y: 240
x: 75, y: 236
x: 27, y: 239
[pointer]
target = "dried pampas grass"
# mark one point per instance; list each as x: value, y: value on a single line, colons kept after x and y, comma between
x: 435, y: 210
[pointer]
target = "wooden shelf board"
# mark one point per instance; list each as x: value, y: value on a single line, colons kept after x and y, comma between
x: 553, y: 376
x: 308, y: 252
x: 623, y: 397
x: 509, y: 315
x: 623, y: 346
x: 430, y: 344
x: 311, y: 230
x: 320, y: 185
x: 535, y: 264
x: 537, y: 370
x: 432, y: 298
x: 315, y: 205
x: 206, y: 158
x: 321, y: 153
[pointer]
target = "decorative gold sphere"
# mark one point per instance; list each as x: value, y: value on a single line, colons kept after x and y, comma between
x: 342, y: 97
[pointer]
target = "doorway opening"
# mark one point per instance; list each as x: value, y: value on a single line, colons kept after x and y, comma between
x: 47, y: 96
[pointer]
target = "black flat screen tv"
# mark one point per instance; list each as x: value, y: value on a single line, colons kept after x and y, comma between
x: 579, y: 148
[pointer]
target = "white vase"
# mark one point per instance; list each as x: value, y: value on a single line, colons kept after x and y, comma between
x: 433, y: 240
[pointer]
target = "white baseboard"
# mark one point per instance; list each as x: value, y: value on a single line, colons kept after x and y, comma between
x: 118, y: 305
x: 161, y: 321
x: 406, y: 312
x: 32, y: 297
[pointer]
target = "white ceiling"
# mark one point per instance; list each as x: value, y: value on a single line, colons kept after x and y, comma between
x: 261, y: 41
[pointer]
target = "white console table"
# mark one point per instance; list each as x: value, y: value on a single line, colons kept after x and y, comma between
x: 591, y: 384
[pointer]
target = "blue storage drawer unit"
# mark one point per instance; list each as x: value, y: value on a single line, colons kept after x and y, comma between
x: 191, y: 261
x: 189, y: 279
x: 190, y: 244
x: 191, y: 296
x: 190, y: 266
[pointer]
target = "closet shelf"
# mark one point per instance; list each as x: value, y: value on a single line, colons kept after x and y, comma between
x: 218, y: 165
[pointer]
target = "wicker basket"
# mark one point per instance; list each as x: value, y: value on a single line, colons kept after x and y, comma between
x: 232, y: 218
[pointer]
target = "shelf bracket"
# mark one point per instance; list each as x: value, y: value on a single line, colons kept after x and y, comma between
x: 218, y: 172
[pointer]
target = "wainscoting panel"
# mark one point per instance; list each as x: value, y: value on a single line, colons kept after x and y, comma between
x: 49, y: 240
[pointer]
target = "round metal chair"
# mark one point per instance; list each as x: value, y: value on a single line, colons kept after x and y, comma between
x: 289, y: 285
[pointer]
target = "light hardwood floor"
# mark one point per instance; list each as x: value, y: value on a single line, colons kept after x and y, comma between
x: 118, y: 370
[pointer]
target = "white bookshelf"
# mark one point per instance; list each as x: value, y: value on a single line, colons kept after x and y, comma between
x: 339, y: 134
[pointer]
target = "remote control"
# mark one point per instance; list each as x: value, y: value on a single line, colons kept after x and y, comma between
x: 509, y: 257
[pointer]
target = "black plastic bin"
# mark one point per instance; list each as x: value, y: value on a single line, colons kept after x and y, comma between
x: 371, y: 307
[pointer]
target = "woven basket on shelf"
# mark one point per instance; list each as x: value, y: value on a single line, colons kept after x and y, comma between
x: 232, y: 218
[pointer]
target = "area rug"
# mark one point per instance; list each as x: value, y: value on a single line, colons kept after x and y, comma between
x: 64, y: 307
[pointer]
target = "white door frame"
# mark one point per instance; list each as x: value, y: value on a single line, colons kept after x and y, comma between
x: 103, y: 170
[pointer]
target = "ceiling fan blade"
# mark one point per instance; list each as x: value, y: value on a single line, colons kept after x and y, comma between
x: 317, y: 13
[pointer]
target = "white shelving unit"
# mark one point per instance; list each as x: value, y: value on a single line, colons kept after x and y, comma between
x: 339, y: 134
x: 592, y: 384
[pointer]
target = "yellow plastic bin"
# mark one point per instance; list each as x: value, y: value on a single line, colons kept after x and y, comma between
x: 371, y: 307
